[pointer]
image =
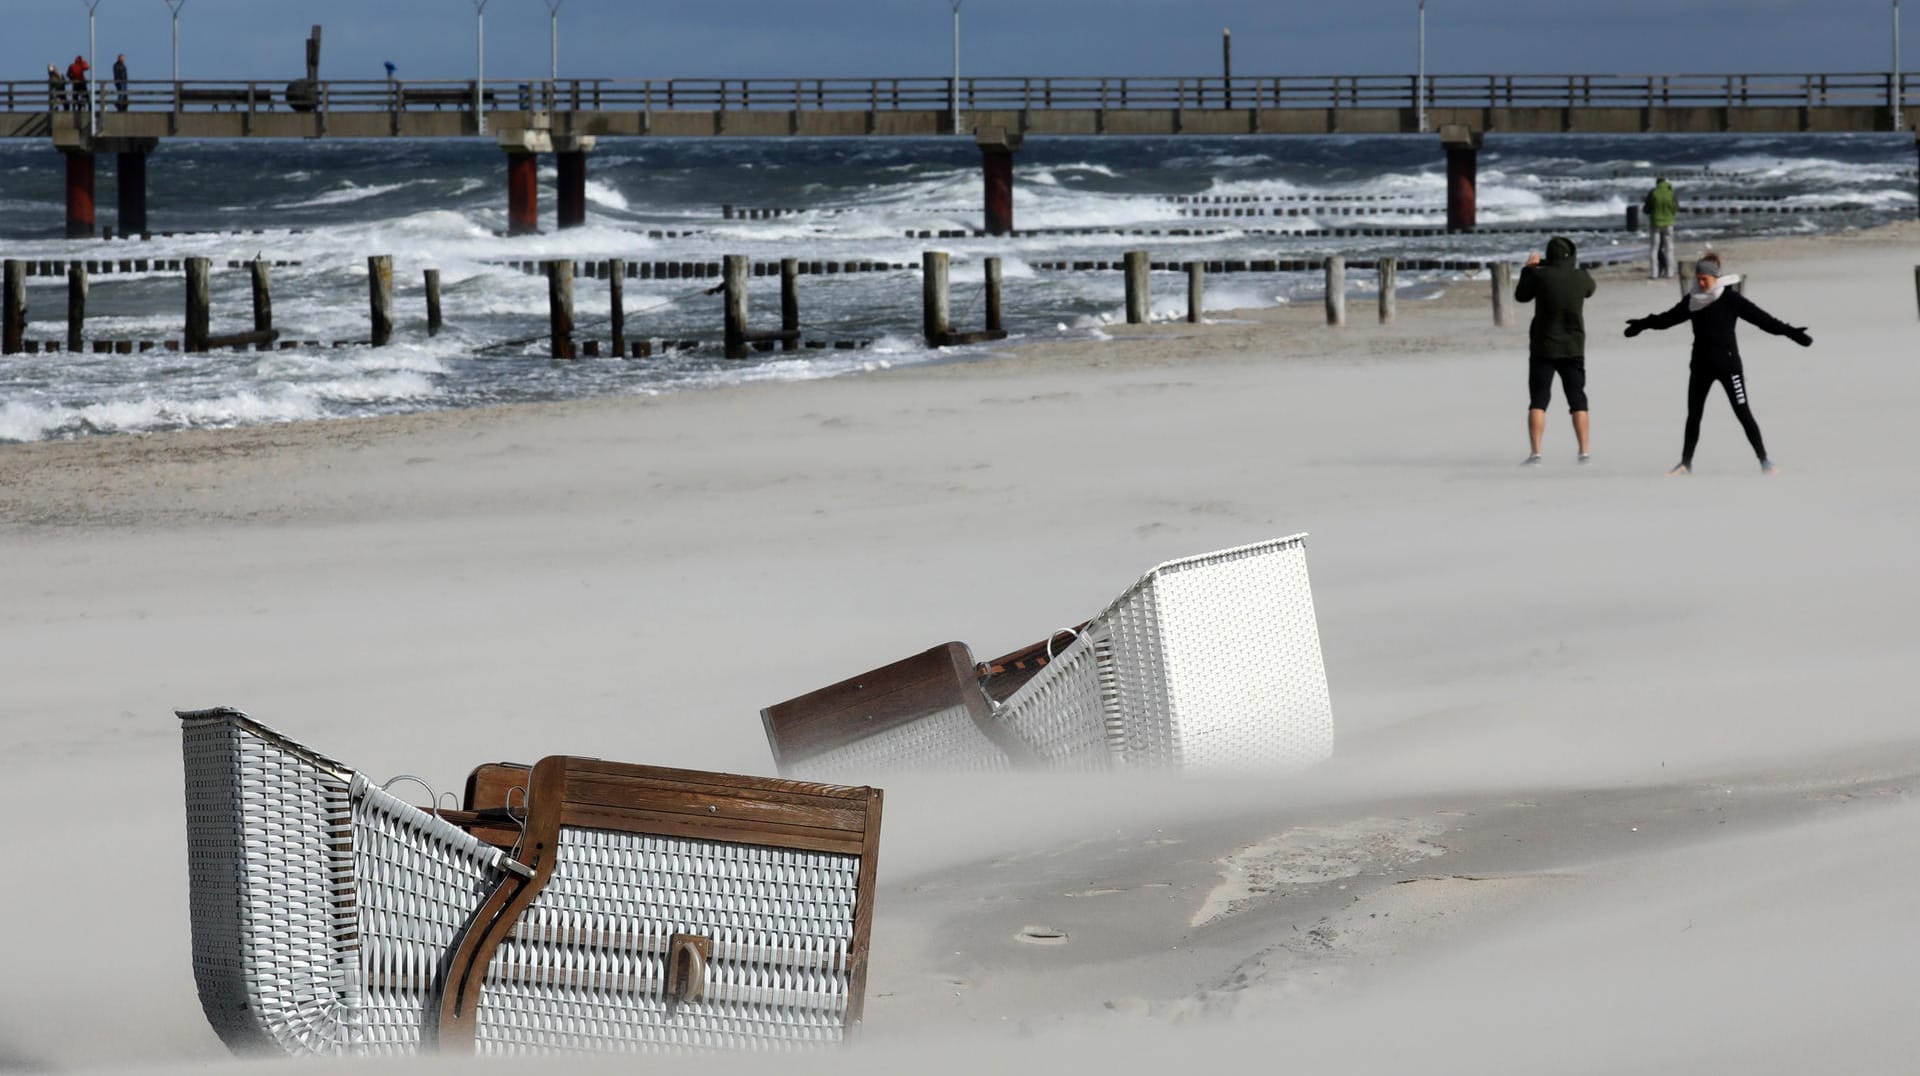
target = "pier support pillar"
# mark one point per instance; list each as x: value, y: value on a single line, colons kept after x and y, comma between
x: 80, y: 217
x: 130, y: 193
x: 1463, y: 163
x: 997, y: 147
x: 523, y: 178
x: 570, y: 154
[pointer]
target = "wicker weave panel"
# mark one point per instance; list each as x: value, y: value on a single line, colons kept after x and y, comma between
x: 270, y: 891
x: 947, y: 739
x: 585, y: 968
x: 1208, y: 662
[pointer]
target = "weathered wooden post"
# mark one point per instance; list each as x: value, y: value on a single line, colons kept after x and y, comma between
x: 13, y: 308
x: 262, y: 304
x: 735, y: 289
x: 1137, y: 297
x: 1502, y: 294
x: 76, y: 304
x: 1633, y: 218
x: 1196, y: 289
x: 617, y: 305
x: 790, y: 303
x: 380, y: 297
x: 433, y: 302
x: 1336, y: 289
x: 199, y: 299
x: 995, y: 323
x: 560, y: 306
x: 1389, y: 272
x: 934, y: 313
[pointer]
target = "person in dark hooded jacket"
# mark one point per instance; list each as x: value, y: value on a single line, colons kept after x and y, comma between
x: 1716, y: 307
x: 1557, y: 339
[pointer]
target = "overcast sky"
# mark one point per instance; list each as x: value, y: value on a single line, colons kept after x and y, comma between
x: 435, y: 39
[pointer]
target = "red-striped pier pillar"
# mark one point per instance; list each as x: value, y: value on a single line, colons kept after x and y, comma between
x: 79, y: 193
x: 1463, y: 167
x: 997, y: 147
x: 570, y: 156
x: 523, y: 149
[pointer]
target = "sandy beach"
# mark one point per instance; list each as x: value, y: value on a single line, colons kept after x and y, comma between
x: 1627, y: 765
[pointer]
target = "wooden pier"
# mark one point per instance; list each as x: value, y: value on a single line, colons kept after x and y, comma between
x: 566, y: 117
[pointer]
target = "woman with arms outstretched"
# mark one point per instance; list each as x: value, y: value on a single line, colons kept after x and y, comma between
x: 1715, y: 308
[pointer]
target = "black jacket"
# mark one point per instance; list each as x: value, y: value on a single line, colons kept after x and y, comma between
x: 1559, y: 329
x: 1715, y: 350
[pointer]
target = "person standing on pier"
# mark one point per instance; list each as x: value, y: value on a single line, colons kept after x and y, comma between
x: 56, y: 89
x: 120, y: 83
x: 1557, y: 339
x: 1715, y: 308
x: 77, y: 83
x: 1661, y: 206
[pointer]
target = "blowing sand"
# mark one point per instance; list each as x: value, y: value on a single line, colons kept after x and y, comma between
x: 1626, y: 770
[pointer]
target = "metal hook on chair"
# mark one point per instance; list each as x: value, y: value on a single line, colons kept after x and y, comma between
x: 1056, y: 635
x: 433, y: 798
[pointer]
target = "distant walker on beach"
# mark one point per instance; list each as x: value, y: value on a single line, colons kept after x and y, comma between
x: 1557, y: 339
x: 1715, y: 307
x: 1661, y: 206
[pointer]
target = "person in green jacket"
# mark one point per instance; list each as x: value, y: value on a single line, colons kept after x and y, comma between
x: 1661, y: 206
x: 1557, y: 339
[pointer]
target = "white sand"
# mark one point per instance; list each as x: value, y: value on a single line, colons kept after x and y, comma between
x: 1626, y: 770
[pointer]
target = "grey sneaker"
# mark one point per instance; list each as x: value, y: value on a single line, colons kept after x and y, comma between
x: 1585, y: 459
x: 1680, y: 469
x: 1769, y: 467
x: 1531, y: 461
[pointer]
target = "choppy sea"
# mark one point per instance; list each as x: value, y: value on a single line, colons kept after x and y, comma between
x: 323, y: 207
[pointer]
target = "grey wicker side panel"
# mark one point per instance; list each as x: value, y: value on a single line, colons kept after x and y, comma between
x: 1067, y: 713
x: 270, y: 883
x: 585, y: 968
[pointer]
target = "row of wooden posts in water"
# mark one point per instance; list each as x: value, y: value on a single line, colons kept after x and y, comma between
x: 738, y: 339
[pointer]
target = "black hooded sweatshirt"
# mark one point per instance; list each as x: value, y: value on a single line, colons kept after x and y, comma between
x: 1559, y: 329
x: 1715, y: 351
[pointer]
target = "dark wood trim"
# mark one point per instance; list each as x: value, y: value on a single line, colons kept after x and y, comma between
x: 863, y: 912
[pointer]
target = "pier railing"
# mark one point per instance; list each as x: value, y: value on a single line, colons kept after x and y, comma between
x: 987, y: 93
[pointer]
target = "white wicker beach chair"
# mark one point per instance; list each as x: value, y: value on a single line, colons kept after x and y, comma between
x: 1207, y: 662
x: 574, y: 905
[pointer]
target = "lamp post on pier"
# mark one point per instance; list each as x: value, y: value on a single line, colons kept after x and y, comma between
x: 480, y: 65
x: 1897, y: 89
x: 175, y: 6
x: 953, y: 91
x: 93, y: 96
x: 553, y: 37
x: 1420, y: 79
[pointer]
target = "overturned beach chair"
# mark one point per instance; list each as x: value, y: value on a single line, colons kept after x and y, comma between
x: 574, y: 905
x: 1209, y: 662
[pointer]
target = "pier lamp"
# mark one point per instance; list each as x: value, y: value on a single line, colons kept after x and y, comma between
x: 93, y: 96
x: 1898, y: 91
x: 479, y: 64
x: 175, y: 6
x: 1420, y: 79
x: 553, y: 37
x: 953, y: 92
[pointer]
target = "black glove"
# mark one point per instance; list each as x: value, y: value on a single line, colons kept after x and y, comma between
x: 1636, y: 326
x: 1801, y: 337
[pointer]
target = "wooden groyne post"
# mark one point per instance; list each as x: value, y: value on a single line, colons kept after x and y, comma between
x: 734, y: 286
x: 13, y: 308
x: 995, y: 322
x: 199, y: 298
x: 433, y: 302
x: 1196, y: 289
x: 380, y: 297
x: 560, y: 306
x: 262, y: 303
x: 617, y: 305
x: 76, y: 304
x: 790, y: 303
x: 1336, y: 290
x: 1502, y: 294
x: 935, y: 314
x: 1389, y: 272
x: 1138, y: 304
